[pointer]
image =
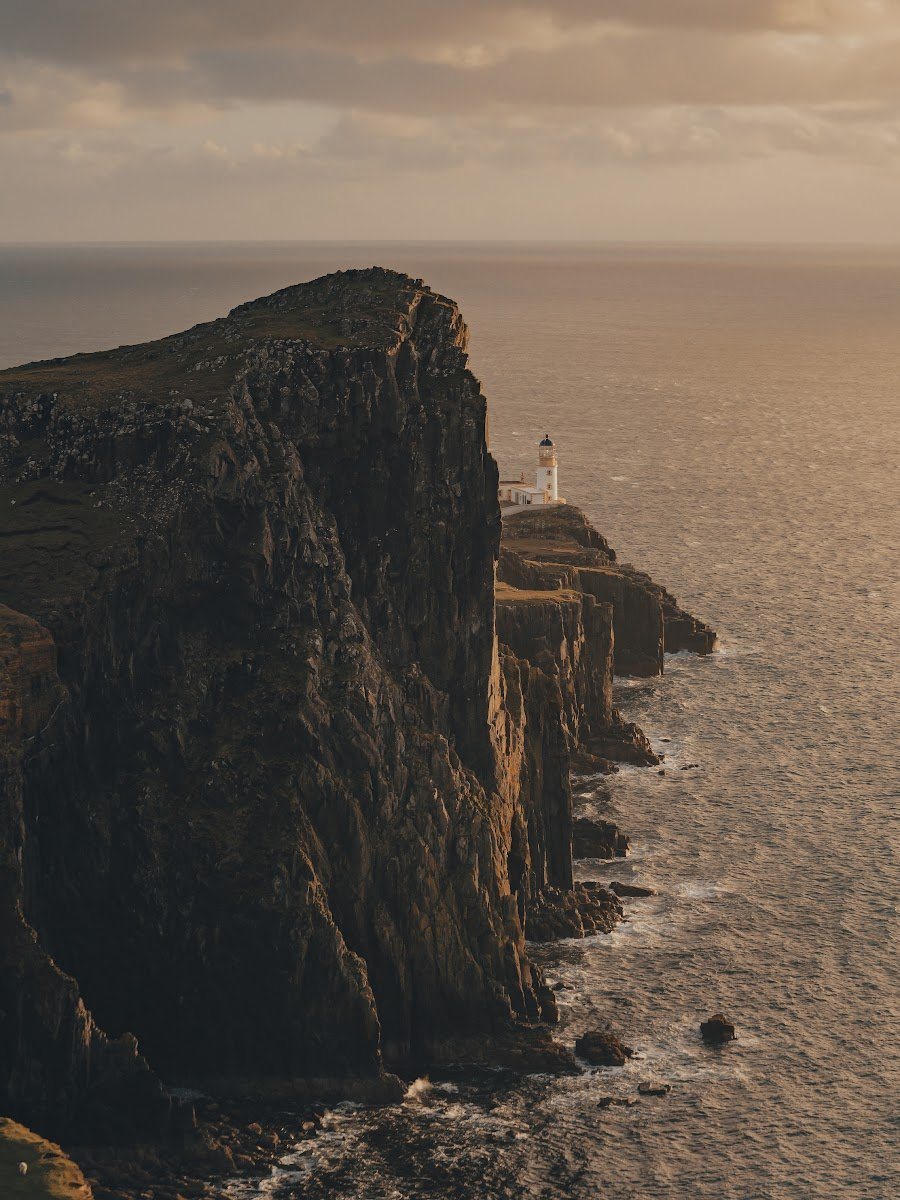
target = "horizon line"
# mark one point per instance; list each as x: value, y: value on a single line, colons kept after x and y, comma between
x: 718, y: 243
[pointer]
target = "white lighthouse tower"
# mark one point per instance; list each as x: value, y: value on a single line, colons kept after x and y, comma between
x: 518, y: 493
x: 546, y: 472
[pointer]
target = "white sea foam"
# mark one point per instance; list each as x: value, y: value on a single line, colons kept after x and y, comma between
x: 419, y: 1090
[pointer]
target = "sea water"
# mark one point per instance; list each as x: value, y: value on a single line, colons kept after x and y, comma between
x: 730, y: 419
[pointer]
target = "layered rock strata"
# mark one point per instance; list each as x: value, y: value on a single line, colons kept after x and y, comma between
x: 557, y: 548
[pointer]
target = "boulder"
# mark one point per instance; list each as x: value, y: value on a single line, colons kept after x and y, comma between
x: 717, y: 1030
x: 603, y: 1048
x: 630, y: 889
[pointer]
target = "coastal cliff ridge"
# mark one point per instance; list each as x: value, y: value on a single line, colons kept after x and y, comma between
x: 281, y: 782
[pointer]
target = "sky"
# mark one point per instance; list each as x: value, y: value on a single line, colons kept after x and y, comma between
x: 536, y: 120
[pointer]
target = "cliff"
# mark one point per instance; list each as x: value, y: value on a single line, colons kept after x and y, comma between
x: 276, y: 803
x: 557, y: 548
x: 264, y: 828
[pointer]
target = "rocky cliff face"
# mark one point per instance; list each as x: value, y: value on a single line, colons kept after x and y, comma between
x: 557, y: 547
x: 273, y: 797
x: 265, y: 830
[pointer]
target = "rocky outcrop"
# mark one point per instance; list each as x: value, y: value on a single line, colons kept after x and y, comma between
x: 32, y: 1167
x: 580, y: 911
x: 603, y: 1048
x: 557, y: 547
x: 569, y: 636
x: 598, y: 839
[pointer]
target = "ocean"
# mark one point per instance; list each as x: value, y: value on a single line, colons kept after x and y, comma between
x: 729, y: 417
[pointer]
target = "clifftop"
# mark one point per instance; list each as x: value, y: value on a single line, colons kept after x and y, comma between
x: 373, y: 308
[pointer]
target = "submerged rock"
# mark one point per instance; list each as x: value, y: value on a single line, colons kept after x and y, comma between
x: 609, y: 1101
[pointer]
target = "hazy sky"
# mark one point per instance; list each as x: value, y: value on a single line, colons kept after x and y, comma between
x: 545, y: 119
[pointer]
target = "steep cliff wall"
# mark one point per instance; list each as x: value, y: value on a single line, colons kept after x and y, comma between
x: 50, y: 1047
x: 270, y: 831
x: 569, y: 635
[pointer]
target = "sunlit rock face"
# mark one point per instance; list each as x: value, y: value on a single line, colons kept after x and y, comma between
x: 556, y: 547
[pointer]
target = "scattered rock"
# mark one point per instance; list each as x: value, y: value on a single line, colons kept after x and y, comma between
x: 717, y: 1030
x: 603, y: 1048
x: 587, y: 908
x: 598, y: 839
x: 630, y: 889
x: 654, y: 1089
x: 622, y: 1101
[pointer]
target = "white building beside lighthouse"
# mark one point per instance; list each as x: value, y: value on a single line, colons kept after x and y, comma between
x: 545, y: 489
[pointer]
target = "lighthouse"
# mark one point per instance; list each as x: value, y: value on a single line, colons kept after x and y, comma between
x: 546, y: 472
x: 518, y: 493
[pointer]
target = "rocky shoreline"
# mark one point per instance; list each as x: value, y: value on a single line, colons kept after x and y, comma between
x: 288, y: 718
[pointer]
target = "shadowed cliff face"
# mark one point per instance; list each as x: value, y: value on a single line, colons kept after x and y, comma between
x: 267, y: 826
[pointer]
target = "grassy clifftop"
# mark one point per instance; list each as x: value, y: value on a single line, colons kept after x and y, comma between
x: 50, y: 1176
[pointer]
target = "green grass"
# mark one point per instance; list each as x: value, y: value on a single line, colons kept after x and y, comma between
x: 51, y: 1175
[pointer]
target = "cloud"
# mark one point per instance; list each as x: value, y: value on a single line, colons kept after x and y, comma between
x: 292, y: 93
x: 94, y: 31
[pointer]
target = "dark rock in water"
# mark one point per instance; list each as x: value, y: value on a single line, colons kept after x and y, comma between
x: 603, y: 1048
x: 623, y: 1101
x: 585, y: 909
x: 598, y: 839
x: 630, y: 889
x: 586, y: 763
x: 654, y: 1089
x: 717, y: 1030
